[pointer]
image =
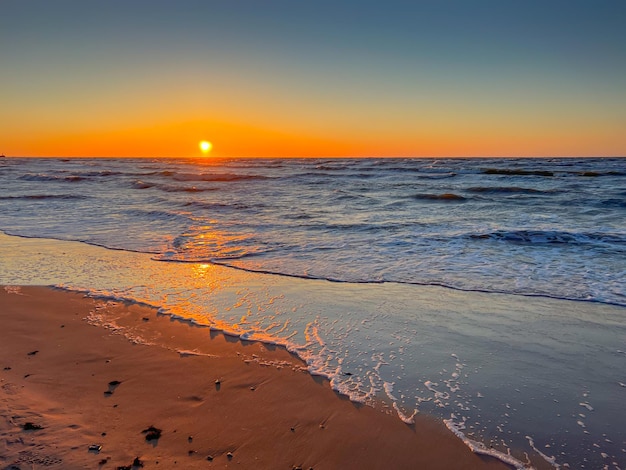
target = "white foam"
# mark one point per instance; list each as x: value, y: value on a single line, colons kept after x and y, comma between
x: 407, y: 418
x: 550, y: 460
x: 479, y: 447
x: 13, y: 290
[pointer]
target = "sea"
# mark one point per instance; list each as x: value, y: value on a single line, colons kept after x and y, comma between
x: 489, y: 293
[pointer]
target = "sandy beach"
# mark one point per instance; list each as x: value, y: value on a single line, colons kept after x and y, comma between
x: 87, y: 383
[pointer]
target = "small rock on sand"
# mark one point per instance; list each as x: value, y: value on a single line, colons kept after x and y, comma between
x: 152, y: 433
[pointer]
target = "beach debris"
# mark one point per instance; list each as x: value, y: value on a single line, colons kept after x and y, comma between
x: 152, y: 433
x: 252, y: 389
x: 113, y: 384
x: 217, y: 382
x: 28, y: 426
x: 190, y: 439
x: 7, y: 368
x: 145, y: 319
x: 293, y: 429
x: 191, y: 452
x: 32, y: 353
x: 102, y: 462
x: 95, y: 448
x: 27, y: 375
x: 229, y: 455
x: 209, y: 458
x: 136, y: 464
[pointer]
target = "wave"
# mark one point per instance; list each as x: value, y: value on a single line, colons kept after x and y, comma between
x: 142, y: 185
x: 436, y: 176
x: 156, y: 214
x: 509, y: 190
x: 449, y: 197
x: 212, y: 177
x: 551, y: 236
x: 45, y: 196
x: 520, y: 172
x: 44, y: 177
x: 620, y: 203
x: 515, y: 172
x: 178, y: 189
x: 333, y: 167
x: 89, y: 174
x: 594, y: 174
x: 228, y: 262
x: 221, y: 205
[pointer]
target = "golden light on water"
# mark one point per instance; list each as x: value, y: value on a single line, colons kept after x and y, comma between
x: 205, y: 146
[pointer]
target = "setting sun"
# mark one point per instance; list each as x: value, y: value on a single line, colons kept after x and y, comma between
x: 205, y: 146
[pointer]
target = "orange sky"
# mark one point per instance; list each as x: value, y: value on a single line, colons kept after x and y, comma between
x: 153, y: 79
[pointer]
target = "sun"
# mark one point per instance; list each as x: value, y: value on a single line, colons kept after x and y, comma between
x: 205, y: 146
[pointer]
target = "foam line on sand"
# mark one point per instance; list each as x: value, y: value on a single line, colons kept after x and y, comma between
x: 88, y: 383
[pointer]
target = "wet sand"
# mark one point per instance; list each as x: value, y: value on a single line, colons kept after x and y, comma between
x: 105, y: 374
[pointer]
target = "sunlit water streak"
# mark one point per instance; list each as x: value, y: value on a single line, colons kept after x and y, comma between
x: 505, y: 366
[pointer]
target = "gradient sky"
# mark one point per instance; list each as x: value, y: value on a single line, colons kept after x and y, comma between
x: 321, y: 78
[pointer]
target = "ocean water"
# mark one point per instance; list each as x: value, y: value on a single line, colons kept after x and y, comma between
x: 488, y: 292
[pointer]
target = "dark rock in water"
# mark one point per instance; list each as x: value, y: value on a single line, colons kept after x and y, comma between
x: 137, y: 462
x: 190, y: 439
x: 7, y: 368
x: 114, y: 383
x: 191, y: 452
x: 32, y: 353
x: 31, y: 426
x: 145, y: 319
x: 152, y: 433
x: 108, y: 393
x: 102, y: 462
x: 26, y: 376
x: 209, y: 458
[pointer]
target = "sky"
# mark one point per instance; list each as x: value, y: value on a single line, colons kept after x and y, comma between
x: 324, y: 78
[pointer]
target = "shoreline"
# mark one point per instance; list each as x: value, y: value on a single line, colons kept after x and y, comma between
x: 265, y: 409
